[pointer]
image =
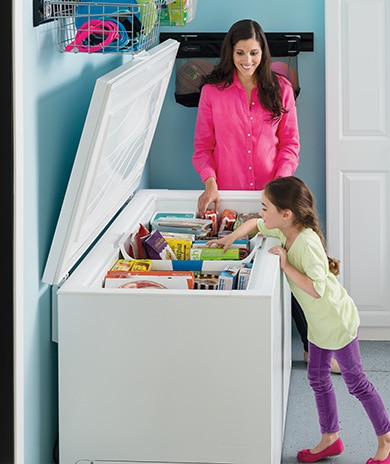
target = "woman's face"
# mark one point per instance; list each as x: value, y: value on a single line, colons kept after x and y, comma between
x: 247, y: 57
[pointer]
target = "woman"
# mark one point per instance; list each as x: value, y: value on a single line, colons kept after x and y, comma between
x: 246, y: 131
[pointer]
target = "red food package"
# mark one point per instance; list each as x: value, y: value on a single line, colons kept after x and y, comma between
x: 228, y: 218
x: 213, y: 215
x: 136, y: 248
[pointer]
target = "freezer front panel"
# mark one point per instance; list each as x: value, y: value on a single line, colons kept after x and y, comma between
x: 170, y: 377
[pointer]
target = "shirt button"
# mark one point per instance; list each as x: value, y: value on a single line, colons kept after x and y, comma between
x: 249, y: 134
x: 251, y: 118
x: 249, y: 151
x: 251, y: 184
x: 250, y: 167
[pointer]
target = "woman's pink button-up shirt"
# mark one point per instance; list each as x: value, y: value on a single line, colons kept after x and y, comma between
x: 237, y: 144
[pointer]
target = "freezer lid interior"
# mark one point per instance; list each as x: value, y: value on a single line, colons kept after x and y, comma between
x: 111, y: 156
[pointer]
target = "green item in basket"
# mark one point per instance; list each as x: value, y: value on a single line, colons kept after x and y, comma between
x: 174, y: 12
x: 215, y: 254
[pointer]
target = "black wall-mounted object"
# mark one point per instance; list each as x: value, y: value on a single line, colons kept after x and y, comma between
x: 201, y: 44
x: 196, y: 49
x: 38, y: 17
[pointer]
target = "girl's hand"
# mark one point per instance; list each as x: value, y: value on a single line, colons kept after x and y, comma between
x: 224, y: 243
x: 300, y: 279
x: 282, y: 253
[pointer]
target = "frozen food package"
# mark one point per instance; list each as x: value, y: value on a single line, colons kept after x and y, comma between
x: 206, y: 282
x: 213, y: 216
x: 157, y: 247
x: 227, y: 220
x: 151, y: 279
x: 227, y: 279
x: 242, y: 217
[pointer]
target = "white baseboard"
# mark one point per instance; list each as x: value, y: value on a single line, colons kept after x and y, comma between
x: 374, y: 333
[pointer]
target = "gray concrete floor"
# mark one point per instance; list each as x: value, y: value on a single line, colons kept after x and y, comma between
x: 302, y: 428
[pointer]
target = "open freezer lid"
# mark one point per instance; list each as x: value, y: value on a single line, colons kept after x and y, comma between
x: 111, y: 156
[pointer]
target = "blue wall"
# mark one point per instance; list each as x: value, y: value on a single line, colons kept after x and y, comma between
x: 54, y: 90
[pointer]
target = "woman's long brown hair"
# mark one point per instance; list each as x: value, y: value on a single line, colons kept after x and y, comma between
x: 267, y: 82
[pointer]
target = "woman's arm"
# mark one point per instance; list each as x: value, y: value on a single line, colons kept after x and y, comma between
x: 288, y: 134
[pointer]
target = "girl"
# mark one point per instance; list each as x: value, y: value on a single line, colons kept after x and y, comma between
x: 288, y: 212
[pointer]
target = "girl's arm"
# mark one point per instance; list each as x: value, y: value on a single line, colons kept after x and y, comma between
x: 301, y: 280
x: 297, y: 277
x: 247, y: 228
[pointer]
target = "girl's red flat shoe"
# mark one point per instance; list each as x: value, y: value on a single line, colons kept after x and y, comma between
x: 377, y: 461
x: 332, y: 450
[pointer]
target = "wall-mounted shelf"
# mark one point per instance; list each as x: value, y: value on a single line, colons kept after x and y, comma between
x: 200, y: 44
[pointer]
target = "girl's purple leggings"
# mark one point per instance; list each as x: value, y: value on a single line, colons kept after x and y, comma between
x: 319, y: 375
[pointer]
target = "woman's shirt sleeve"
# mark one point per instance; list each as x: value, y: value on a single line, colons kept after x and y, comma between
x: 204, y: 138
x: 288, y: 133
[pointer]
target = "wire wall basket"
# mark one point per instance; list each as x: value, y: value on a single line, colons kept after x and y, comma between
x: 104, y: 27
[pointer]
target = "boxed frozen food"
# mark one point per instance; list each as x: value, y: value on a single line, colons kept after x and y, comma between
x: 215, y: 254
x: 199, y: 227
x: 244, y: 276
x: 243, y: 245
x: 180, y: 247
x: 190, y: 237
x: 206, y: 282
x: 157, y: 247
x: 122, y: 265
x: 207, y: 266
x: 227, y: 279
x: 153, y: 279
x: 142, y: 265
x: 158, y: 215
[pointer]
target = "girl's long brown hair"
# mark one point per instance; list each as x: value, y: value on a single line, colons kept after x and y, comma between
x: 267, y: 82
x: 293, y: 194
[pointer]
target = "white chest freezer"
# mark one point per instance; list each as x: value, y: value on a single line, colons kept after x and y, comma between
x: 166, y: 376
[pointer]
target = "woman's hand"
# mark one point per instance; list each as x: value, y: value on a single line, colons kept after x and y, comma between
x: 209, y: 196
